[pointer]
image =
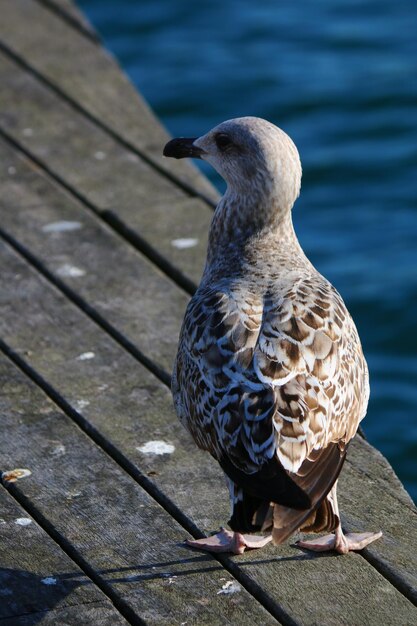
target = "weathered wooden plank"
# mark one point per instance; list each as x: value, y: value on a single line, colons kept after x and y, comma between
x: 132, y: 544
x: 92, y: 77
x: 68, y: 11
x: 113, y: 277
x: 112, y: 384
x: 38, y: 581
x: 373, y: 497
x: 108, y: 175
x: 374, y: 466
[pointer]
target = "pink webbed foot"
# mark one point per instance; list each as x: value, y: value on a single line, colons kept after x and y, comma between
x: 341, y: 543
x: 227, y: 541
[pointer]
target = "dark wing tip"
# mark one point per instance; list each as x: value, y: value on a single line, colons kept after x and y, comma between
x: 270, y: 483
x: 316, y: 477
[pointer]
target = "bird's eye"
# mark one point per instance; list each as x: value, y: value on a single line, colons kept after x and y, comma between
x: 223, y: 141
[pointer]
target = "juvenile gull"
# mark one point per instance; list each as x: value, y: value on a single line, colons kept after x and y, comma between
x: 270, y: 377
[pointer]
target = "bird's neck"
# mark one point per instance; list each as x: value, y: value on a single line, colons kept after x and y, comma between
x: 242, y: 230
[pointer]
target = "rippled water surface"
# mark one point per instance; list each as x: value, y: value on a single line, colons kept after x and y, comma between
x: 341, y: 78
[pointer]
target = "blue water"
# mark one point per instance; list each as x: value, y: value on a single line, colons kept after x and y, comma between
x: 341, y: 78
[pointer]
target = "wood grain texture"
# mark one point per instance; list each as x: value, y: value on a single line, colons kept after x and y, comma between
x: 372, y: 497
x: 110, y: 275
x: 38, y: 581
x: 68, y: 10
x: 133, y: 545
x: 108, y: 175
x: 91, y: 77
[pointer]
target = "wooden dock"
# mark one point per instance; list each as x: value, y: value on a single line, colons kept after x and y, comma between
x: 94, y: 283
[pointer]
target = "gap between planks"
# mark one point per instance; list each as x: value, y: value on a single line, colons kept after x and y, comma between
x: 89, y: 310
x: 111, y: 219
x: 123, y: 608
x: 28, y: 559
x: 71, y: 20
x: 186, y: 187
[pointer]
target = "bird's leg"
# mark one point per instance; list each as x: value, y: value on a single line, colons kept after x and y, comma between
x: 228, y: 541
x: 339, y: 541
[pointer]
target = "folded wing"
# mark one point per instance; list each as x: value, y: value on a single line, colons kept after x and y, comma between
x: 272, y: 383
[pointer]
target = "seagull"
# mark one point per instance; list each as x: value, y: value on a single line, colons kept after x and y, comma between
x: 270, y: 377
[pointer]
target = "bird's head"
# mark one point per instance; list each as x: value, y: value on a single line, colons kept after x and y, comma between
x: 252, y: 155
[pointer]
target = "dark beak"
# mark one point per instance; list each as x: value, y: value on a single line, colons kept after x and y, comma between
x: 181, y: 148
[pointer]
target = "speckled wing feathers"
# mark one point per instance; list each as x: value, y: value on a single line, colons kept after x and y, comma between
x: 272, y: 375
x: 260, y: 376
x: 301, y: 353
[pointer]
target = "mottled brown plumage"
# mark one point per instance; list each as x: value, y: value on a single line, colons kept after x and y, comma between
x: 270, y: 377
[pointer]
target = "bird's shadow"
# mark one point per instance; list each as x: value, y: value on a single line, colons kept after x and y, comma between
x: 25, y: 593
x: 25, y: 597
x: 30, y: 595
